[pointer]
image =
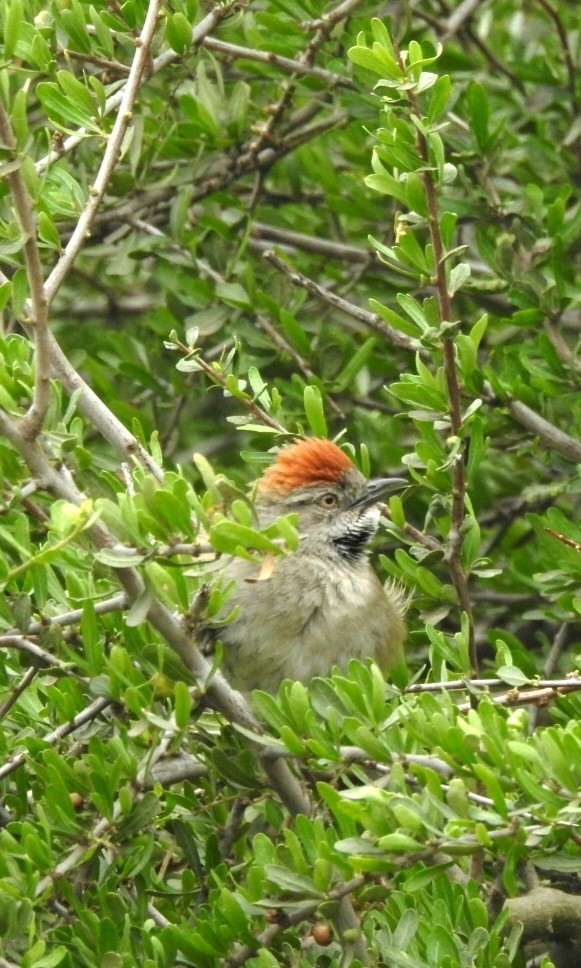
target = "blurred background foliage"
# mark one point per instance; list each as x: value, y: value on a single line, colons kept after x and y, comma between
x: 147, y: 835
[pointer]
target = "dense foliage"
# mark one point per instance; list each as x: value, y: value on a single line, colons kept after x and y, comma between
x: 219, y: 227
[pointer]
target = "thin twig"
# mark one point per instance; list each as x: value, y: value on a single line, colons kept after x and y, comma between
x: 333, y: 17
x: 550, y: 666
x: 85, y: 716
x: 371, y: 320
x: 24, y: 683
x: 567, y: 54
x: 455, y: 684
x: 276, y: 60
x: 276, y: 110
x: 548, y: 434
x: 458, y: 18
x: 453, y: 554
x: 86, y: 58
x: 311, y: 243
x: 23, y: 644
x: 217, y: 376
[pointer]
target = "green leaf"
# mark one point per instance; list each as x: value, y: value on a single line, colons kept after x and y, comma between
x: 415, y: 194
x: 288, y: 880
x: 387, y: 185
x: 91, y: 638
x: 12, y: 27
x: 5, y: 294
x: 478, y: 112
x: 73, y: 18
x: 139, y: 610
x: 413, y: 309
x: 144, y: 811
x: 476, y: 449
x: 228, y: 536
x: 512, y: 676
x: 459, y: 274
x: 377, y: 60
x: 120, y: 557
x: 76, y: 92
x: 179, y: 33
x: 47, y: 231
x: 393, y: 318
x: 233, y: 294
x: 63, y: 111
x: 357, y: 362
x: 398, y: 843
x: 182, y: 705
x: 314, y: 411
x: 439, y: 98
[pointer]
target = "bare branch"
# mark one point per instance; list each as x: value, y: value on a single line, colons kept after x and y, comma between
x: 333, y: 17
x: 573, y: 683
x: 275, y: 111
x: 458, y: 18
x: 550, y: 436
x: 310, y: 243
x: 371, y: 320
x: 23, y: 644
x: 284, y: 63
x: 17, y: 691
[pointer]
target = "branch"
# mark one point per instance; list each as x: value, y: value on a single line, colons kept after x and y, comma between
x: 276, y: 110
x: 22, y: 644
x: 555, y: 684
x: 549, y: 435
x: 38, y: 321
x: 333, y: 17
x: 546, y: 913
x: 285, y: 63
x: 569, y: 62
x: 17, y: 691
x: 311, y: 243
x: 538, y: 697
x: 85, y: 716
x: 113, y: 604
x: 372, y: 320
x: 461, y: 14
x: 287, y: 920
x: 453, y: 554
x: 218, y: 377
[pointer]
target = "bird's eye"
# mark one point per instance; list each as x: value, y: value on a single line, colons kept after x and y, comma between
x: 329, y: 500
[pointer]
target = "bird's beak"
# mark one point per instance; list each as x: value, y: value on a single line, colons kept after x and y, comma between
x: 375, y: 491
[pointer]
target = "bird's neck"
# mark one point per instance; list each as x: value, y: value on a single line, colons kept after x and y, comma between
x: 350, y: 545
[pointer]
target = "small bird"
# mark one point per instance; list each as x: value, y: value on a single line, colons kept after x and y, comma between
x: 321, y: 605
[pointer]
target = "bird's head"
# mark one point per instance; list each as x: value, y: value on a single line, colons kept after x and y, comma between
x: 335, y: 503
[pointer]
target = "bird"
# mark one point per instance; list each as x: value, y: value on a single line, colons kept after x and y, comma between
x: 322, y: 605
